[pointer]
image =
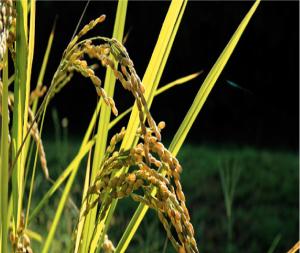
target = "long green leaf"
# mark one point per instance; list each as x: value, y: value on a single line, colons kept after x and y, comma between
x: 44, y: 65
x: 190, y: 117
x: 82, y: 218
x: 157, y: 64
x: 178, y: 81
x: 19, y: 104
x: 4, y: 159
x: 209, y: 82
x: 28, y: 80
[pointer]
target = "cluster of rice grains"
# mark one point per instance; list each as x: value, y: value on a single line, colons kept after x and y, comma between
x: 20, y: 241
x: 73, y: 60
x: 141, y: 183
x: 7, y: 25
x: 153, y: 177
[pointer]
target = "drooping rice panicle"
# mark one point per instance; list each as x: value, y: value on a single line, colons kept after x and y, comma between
x: 20, y: 241
x: 169, y: 201
x: 7, y: 21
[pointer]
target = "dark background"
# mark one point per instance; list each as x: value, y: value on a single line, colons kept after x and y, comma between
x: 265, y: 63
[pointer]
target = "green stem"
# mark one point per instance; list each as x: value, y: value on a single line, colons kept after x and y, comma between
x: 4, y: 159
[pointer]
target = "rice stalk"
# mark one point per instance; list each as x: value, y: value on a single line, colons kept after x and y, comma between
x: 4, y: 162
x: 18, y: 112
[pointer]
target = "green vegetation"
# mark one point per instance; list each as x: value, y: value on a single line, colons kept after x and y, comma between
x: 74, y: 200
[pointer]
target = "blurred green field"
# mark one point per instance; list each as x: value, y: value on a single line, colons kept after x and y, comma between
x: 265, y: 207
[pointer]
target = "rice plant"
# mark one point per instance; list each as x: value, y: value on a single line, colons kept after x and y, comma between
x: 133, y: 164
x: 229, y: 175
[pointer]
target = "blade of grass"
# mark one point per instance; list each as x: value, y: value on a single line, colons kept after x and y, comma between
x: 81, y: 217
x: 209, y: 82
x: 11, y: 79
x: 156, y: 65
x: 34, y: 107
x: 44, y: 65
x: 28, y: 80
x: 34, y: 235
x: 19, y: 103
x: 33, y: 172
x: 190, y: 118
x: 4, y: 159
x: 179, y: 81
x: 102, y: 131
x: 31, y: 188
x: 274, y: 244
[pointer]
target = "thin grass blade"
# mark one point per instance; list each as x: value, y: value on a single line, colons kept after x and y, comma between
x: 28, y: 80
x: 19, y: 103
x: 156, y: 65
x: 209, y: 82
x: 34, y: 235
x: 179, y: 81
x: 81, y: 218
x: 4, y: 159
x: 44, y: 65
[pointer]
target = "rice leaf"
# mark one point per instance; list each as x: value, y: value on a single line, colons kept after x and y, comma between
x: 209, y: 82
x: 19, y: 103
x: 28, y: 80
x: 4, y: 160
x: 82, y: 218
x: 156, y: 65
x: 44, y: 65
x: 179, y: 81
x: 34, y: 235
